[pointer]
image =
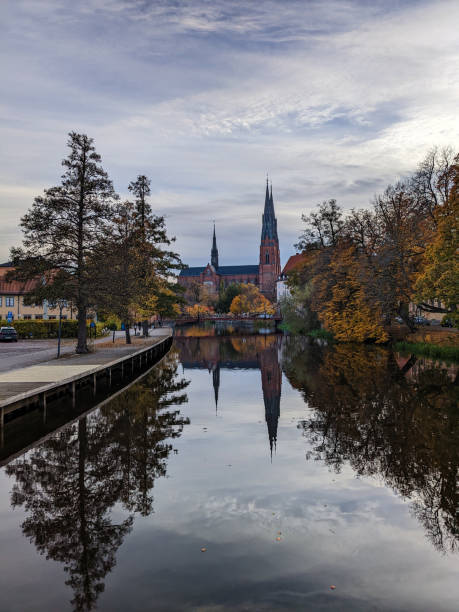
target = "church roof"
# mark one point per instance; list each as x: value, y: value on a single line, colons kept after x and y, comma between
x: 196, y: 271
x: 221, y: 270
x: 230, y: 270
x: 293, y: 262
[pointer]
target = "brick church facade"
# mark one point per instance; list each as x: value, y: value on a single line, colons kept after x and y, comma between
x: 264, y: 275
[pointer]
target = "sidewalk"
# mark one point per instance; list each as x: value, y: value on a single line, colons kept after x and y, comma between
x: 25, y: 381
x: 31, y: 352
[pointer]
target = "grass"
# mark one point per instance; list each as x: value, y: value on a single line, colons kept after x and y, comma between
x: 320, y: 333
x: 436, y: 351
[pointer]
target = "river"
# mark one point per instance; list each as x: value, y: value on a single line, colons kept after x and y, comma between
x: 244, y: 472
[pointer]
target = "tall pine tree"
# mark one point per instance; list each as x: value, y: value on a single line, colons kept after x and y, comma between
x: 64, y: 227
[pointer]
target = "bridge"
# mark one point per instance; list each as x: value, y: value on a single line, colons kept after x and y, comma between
x: 217, y: 318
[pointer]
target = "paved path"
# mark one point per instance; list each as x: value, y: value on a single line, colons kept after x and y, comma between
x: 30, y: 352
x: 21, y: 382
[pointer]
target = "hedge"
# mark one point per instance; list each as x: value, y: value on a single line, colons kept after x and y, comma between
x: 49, y: 329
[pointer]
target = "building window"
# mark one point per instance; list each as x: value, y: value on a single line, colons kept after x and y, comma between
x: 267, y: 258
x: 64, y: 317
x: 0, y: 300
x: 27, y: 317
x: 52, y: 317
x: 9, y: 301
x: 39, y: 316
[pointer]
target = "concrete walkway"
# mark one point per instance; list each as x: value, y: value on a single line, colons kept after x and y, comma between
x: 25, y: 353
x: 20, y: 383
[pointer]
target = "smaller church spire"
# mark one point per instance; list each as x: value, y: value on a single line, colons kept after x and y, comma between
x: 214, y: 251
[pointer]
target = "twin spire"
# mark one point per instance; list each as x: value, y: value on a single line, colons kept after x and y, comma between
x: 268, y: 228
x: 269, y: 223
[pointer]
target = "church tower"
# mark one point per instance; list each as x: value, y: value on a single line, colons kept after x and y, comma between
x: 214, y: 252
x: 269, y: 266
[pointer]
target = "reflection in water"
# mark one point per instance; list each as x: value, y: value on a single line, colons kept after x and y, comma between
x: 274, y: 534
x: 246, y: 352
x: 398, y: 424
x: 69, y: 484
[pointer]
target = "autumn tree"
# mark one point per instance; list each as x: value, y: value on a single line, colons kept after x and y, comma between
x: 157, y: 264
x: 117, y: 278
x: 138, y: 275
x: 439, y: 279
x: 64, y: 227
x: 251, y: 300
x: 226, y: 296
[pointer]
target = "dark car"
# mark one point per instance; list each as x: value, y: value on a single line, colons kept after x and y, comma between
x: 447, y: 322
x: 8, y: 334
x: 421, y: 321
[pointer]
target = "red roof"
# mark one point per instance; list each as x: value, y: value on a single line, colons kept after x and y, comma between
x: 293, y: 262
x: 14, y: 287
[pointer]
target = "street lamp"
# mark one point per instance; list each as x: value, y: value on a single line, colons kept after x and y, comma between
x: 61, y: 303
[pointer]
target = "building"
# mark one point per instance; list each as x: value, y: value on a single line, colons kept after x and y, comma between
x: 293, y: 262
x: 217, y: 355
x: 12, y: 294
x: 263, y: 275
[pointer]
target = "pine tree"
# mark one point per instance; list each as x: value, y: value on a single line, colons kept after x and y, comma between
x: 64, y: 227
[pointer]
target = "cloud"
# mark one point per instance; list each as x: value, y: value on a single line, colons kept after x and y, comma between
x: 334, y: 99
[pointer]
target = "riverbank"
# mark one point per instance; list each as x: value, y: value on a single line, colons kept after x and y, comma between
x: 28, y: 385
x: 436, y: 351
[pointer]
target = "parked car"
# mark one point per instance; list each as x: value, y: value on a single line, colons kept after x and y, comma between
x: 446, y: 322
x: 8, y: 334
x: 421, y: 321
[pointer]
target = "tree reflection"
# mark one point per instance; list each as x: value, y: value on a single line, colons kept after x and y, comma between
x: 70, y: 483
x: 368, y: 413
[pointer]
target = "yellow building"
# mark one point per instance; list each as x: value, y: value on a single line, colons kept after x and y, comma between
x: 12, y: 294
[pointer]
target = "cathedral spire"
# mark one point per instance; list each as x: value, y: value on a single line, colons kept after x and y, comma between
x: 214, y: 251
x: 269, y: 223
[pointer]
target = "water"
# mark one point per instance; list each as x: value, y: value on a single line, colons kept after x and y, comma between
x: 295, y: 467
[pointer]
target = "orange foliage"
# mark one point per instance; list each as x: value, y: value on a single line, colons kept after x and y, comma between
x: 251, y: 300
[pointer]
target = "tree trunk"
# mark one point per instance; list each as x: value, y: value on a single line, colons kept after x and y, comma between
x: 128, y: 333
x: 82, y: 346
x: 145, y: 329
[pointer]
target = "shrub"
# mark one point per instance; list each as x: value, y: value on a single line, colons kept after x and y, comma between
x: 453, y: 317
x: 436, y: 351
x: 49, y: 329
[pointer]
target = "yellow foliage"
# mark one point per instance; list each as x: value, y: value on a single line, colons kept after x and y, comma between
x: 251, y: 300
x: 344, y: 308
x: 198, y: 310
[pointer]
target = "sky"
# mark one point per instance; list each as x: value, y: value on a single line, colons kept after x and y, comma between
x: 334, y: 99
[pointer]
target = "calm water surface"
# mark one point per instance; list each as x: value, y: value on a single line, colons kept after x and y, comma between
x: 295, y: 467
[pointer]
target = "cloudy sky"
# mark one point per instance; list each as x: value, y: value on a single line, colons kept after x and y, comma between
x: 334, y: 98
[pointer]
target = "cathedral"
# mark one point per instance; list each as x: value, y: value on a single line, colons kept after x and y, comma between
x: 263, y: 275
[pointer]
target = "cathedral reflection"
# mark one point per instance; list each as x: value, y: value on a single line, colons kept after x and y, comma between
x: 243, y: 352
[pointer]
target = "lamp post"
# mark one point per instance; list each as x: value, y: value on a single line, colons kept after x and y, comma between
x: 61, y: 303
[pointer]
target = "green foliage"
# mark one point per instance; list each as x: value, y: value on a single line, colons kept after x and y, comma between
x: 321, y: 333
x: 49, y: 329
x: 298, y: 317
x: 111, y: 321
x: 227, y: 296
x: 436, y: 351
x: 453, y: 317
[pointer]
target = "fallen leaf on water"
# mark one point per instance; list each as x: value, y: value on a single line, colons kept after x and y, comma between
x: 279, y: 533
x: 332, y: 586
x: 203, y: 549
x: 278, y: 539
